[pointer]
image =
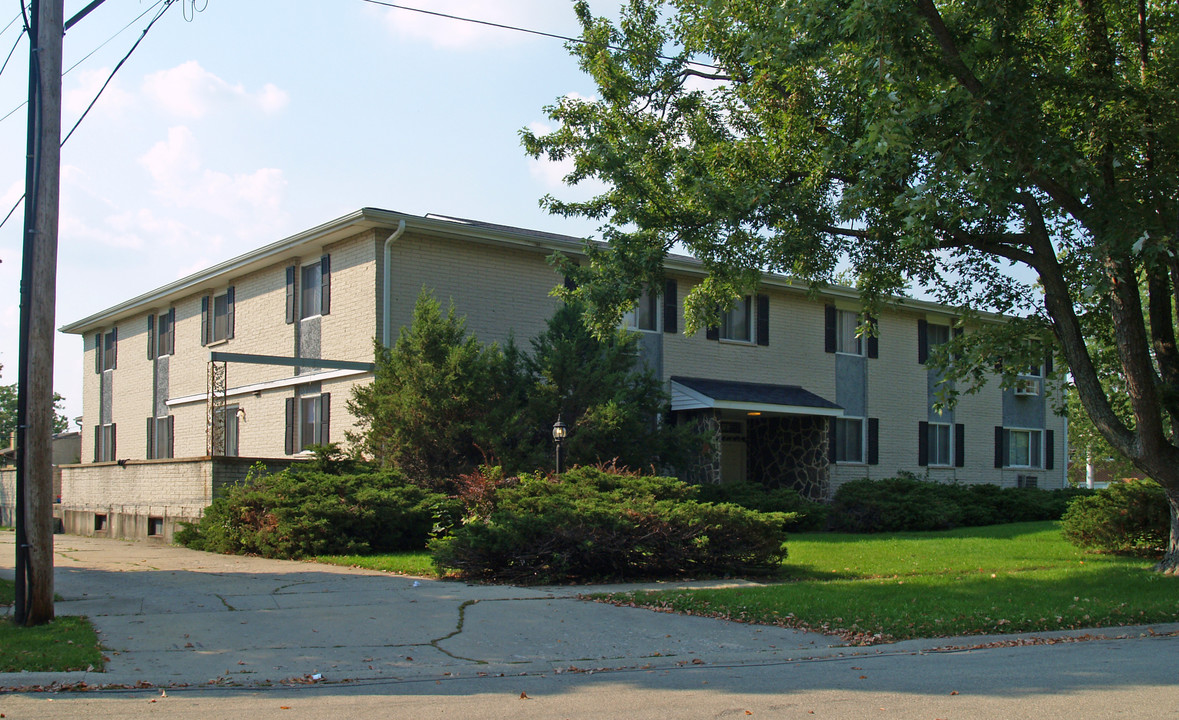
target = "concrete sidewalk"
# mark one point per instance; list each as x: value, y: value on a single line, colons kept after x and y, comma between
x: 169, y: 616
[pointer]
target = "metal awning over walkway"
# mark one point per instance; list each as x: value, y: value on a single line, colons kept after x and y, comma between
x: 700, y: 394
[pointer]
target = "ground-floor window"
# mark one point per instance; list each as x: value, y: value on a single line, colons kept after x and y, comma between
x: 308, y: 422
x: 104, y: 443
x: 849, y: 440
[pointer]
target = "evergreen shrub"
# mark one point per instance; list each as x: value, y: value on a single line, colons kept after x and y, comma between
x: 593, y: 525
x: 1126, y: 517
x: 304, y: 511
x: 811, y: 515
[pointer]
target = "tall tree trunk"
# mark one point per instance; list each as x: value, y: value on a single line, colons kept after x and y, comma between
x: 1170, y: 562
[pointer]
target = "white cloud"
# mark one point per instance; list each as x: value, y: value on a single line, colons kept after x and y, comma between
x: 190, y: 91
x: 250, y: 202
x: 114, y: 99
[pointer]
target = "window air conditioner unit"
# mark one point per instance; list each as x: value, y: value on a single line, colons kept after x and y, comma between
x: 1027, y: 386
x: 1026, y: 481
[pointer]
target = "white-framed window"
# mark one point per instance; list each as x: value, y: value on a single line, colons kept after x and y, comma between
x: 737, y: 321
x: 941, y: 444
x: 104, y: 443
x: 166, y: 333
x: 310, y: 291
x: 308, y: 422
x: 106, y: 347
x: 936, y: 335
x: 847, y: 338
x: 1025, y: 448
x: 645, y: 314
x: 217, y: 317
x: 849, y: 440
x: 159, y: 437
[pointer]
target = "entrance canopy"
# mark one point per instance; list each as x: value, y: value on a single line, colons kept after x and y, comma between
x: 700, y: 394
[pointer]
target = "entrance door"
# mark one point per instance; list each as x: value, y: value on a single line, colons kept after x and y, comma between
x: 733, y: 451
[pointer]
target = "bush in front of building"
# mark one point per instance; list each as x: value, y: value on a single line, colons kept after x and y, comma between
x: 593, y: 525
x: 903, y: 504
x: 1127, y: 517
x: 305, y: 511
x: 810, y: 515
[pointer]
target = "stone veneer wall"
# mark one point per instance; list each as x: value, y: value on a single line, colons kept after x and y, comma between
x: 707, y: 469
x: 790, y: 452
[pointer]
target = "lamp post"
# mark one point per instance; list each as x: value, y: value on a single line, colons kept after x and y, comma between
x: 559, y: 432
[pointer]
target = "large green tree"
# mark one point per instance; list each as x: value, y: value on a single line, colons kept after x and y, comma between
x: 1019, y: 156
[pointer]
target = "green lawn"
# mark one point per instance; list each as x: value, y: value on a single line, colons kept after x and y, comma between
x: 1000, y: 579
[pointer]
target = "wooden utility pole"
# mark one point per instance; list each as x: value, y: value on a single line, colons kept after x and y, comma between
x: 34, y: 521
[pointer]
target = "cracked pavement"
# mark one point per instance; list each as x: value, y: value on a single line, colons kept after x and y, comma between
x: 171, y: 616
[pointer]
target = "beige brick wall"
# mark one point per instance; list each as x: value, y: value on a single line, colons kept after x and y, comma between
x: 498, y: 289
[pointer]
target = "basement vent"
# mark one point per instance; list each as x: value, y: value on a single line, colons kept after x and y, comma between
x: 1026, y: 481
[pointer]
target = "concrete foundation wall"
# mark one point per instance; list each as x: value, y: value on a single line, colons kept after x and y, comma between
x: 147, y: 498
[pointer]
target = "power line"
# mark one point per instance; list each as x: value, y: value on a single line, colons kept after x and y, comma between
x: 166, y: 4
x: 160, y: 14
x: 87, y: 56
x: 529, y: 31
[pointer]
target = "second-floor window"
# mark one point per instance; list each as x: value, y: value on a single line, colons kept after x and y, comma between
x: 737, y: 321
x: 217, y: 317
x: 106, y: 347
x: 645, y: 314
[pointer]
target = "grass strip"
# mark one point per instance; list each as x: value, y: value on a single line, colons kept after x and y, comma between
x: 1002, y: 579
x: 417, y: 563
x: 67, y: 643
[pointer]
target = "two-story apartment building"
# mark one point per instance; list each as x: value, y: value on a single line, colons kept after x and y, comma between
x: 256, y: 358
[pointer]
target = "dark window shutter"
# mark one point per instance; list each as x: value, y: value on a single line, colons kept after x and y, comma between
x: 114, y: 452
x: 1047, y: 363
x: 171, y: 436
x: 229, y: 320
x: 569, y: 283
x: 98, y: 353
x: 959, y: 445
x: 172, y: 331
x: 873, y: 441
x: 829, y: 329
x: 1049, y: 449
x: 291, y: 294
x: 114, y: 348
x: 873, y: 339
x: 206, y: 323
x: 325, y: 284
x: 958, y: 332
x: 763, y: 320
x: 290, y: 427
x: 671, y: 313
x: 97, y: 443
x: 1000, y: 447
x: 712, y: 333
x: 831, y: 440
x: 922, y: 444
x: 325, y: 418
x: 151, y: 446
x: 151, y: 337
x: 922, y: 341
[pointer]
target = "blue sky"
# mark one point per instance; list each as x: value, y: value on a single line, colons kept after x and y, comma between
x: 250, y: 121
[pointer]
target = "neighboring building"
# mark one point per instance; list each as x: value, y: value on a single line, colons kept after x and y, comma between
x: 795, y: 397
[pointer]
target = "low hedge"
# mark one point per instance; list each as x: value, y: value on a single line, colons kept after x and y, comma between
x: 594, y: 525
x: 305, y: 511
x: 1126, y: 517
x: 908, y: 504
